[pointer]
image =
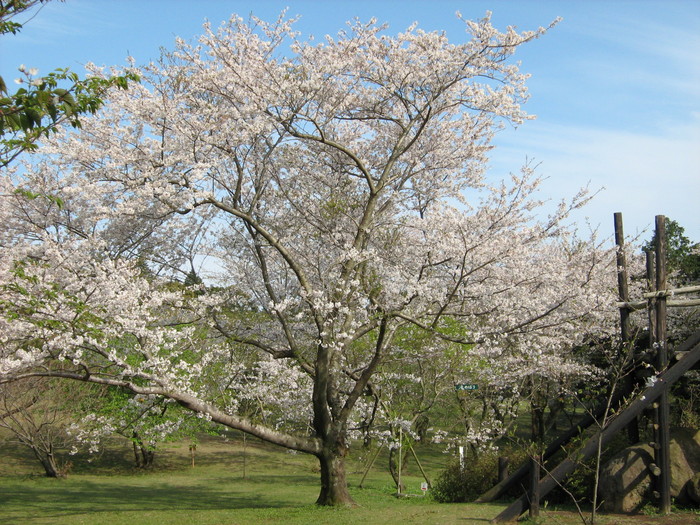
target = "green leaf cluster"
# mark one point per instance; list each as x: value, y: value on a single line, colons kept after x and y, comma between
x: 36, y: 108
x: 12, y: 8
x: 31, y: 195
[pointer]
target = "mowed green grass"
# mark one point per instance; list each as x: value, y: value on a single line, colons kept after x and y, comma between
x: 278, y: 487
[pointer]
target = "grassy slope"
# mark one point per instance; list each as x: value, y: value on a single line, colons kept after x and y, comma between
x: 278, y: 488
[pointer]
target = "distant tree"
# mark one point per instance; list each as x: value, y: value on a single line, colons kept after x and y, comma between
x: 37, y: 413
x: 192, y: 279
x: 683, y: 255
x: 9, y: 9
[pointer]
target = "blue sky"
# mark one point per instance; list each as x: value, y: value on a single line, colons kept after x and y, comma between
x: 615, y: 85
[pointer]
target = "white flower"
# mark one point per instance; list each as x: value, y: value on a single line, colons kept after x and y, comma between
x: 33, y: 71
x: 22, y: 68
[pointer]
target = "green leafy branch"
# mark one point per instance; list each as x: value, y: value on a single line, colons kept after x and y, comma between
x: 42, y: 105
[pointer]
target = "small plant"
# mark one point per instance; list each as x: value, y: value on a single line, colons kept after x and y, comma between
x: 64, y: 469
x: 649, y: 509
x: 452, y: 484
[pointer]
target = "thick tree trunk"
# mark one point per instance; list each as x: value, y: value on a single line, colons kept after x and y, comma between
x: 331, y: 456
x: 137, y: 456
x: 334, y: 486
x: 148, y: 456
x: 143, y: 456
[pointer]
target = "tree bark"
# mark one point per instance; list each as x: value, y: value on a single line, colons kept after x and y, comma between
x: 137, y: 457
x: 143, y: 455
x: 394, y: 469
x: 48, y: 461
x: 334, y: 486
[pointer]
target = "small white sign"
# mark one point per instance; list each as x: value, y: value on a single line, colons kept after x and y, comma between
x: 424, y: 486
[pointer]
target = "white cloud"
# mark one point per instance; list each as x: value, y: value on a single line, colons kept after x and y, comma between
x: 643, y: 174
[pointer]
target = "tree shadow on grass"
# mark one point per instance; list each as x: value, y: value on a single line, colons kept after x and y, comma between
x: 28, y: 499
x: 114, y: 457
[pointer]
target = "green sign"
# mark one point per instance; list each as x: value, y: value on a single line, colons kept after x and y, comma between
x: 466, y: 386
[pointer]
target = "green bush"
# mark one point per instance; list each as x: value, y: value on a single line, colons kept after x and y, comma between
x: 480, y: 473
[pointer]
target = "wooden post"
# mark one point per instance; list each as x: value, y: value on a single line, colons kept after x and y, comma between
x: 625, y: 324
x: 420, y: 467
x: 374, y: 458
x: 244, y: 455
x: 651, y: 313
x: 534, y: 486
x: 193, y: 448
x: 398, y: 485
x: 622, y: 279
x: 502, y: 468
x: 663, y: 454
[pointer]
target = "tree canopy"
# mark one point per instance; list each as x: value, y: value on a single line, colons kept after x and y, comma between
x: 682, y: 253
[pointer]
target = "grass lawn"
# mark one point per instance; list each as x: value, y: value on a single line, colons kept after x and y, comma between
x: 278, y: 487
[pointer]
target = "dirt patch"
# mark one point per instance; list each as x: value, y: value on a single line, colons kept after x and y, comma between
x: 678, y: 518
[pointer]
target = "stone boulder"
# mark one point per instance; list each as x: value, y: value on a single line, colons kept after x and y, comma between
x: 626, y: 480
x: 693, y: 489
x: 685, y: 463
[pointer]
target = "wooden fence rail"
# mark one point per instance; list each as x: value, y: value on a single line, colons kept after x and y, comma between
x: 557, y: 476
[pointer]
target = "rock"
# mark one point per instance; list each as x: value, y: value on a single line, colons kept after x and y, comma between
x: 692, y: 450
x: 625, y: 481
x: 693, y: 489
x: 681, y: 472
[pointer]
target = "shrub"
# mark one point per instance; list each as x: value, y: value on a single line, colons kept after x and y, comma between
x: 458, y: 485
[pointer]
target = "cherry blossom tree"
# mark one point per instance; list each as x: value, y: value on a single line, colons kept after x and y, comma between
x: 341, y: 188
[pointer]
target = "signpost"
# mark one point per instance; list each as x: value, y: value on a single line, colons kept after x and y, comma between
x: 466, y: 386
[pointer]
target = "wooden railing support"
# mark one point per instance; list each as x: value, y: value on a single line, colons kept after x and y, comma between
x: 557, y: 476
